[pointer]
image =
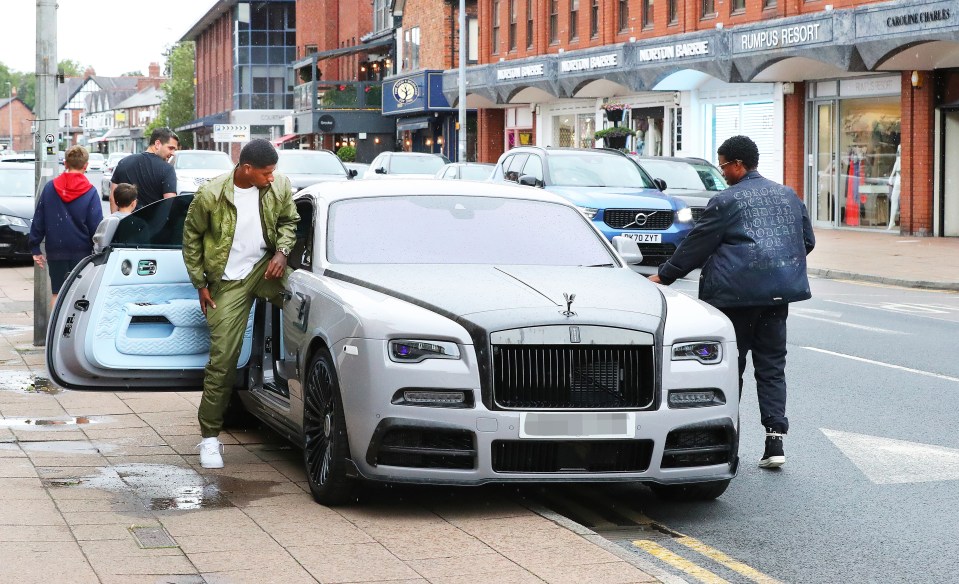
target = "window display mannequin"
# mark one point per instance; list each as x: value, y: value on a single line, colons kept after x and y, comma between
x: 855, y: 177
x: 894, y: 182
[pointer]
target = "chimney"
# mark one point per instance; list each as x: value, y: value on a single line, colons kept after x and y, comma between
x: 89, y: 73
x: 154, y: 70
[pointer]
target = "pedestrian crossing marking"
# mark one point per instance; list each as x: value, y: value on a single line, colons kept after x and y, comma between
x: 677, y: 561
x: 731, y: 563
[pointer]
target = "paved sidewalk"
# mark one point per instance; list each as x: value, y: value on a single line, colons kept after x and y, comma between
x: 106, y: 487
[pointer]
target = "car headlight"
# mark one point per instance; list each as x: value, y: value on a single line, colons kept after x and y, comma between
x: 684, y: 215
x: 706, y: 352
x: 588, y: 211
x: 414, y: 351
x: 13, y: 221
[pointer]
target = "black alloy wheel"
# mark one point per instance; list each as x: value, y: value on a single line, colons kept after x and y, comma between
x: 325, y: 444
x: 691, y: 491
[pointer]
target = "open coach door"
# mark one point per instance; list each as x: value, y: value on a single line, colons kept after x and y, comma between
x: 128, y: 317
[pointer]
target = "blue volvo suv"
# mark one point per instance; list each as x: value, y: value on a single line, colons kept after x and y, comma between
x: 609, y: 188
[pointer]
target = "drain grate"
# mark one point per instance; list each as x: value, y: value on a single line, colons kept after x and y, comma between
x: 152, y: 537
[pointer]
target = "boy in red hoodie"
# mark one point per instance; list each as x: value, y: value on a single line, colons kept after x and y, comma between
x: 67, y: 216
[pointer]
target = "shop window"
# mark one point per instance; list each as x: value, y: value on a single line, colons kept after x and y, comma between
x: 647, y: 13
x: 564, y: 131
x: 623, y: 15
x: 594, y: 19
x: 672, y: 11
x: 573, y: 19
x: 553, y: 21
x: 709, y: 8
x: 495, y: 38
x: 512, y: 25
x: 869, y: 134
x: 530, y: 30
x: 676, y: 144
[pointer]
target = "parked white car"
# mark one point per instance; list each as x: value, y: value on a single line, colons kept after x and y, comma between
x: 405, y: 165
x: 431, y: 335
x: 195, y: 167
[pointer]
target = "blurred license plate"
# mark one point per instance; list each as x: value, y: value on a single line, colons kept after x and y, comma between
x: 645, y: 237
x: 576, y: 425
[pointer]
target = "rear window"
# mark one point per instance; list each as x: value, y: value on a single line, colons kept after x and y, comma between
x: 158, y: 225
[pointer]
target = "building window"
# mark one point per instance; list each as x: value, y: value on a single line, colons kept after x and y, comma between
x: 769, y: 4
x: 672, y: 9
x: 594, y: 19
x: 647, y: 13
x: 554, y: 21
x: 512, y: 25
x: 736, y: 6
x: 472, y: 42
x: 709, y: 8
x: 573, y: 18
x: 530, y: 39
x: 411, y: 49
x: 264, y: 40
x: 381, y: 15
x: 623, y: 15
x: 495, y: 39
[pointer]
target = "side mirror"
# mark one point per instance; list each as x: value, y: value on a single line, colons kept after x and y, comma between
x: 627, y: 249
x: 351, y: 172
x: 660, y: 184
x: 530, y: 181
x: 380, y: 170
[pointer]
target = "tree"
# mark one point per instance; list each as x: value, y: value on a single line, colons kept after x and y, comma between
x: 178, y: 105
x: 133, y: 74
x: 71, y: 68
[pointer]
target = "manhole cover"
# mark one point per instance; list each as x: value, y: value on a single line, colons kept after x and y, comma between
x: 152, y: 537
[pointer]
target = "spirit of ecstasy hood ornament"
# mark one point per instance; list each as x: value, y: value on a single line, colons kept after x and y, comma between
x: 569, y: 304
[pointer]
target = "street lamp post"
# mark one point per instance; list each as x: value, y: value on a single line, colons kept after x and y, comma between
x: 10, y: 112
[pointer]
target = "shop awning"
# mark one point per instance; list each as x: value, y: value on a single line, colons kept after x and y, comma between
x: 205, y: 122
x: 115, y: 134
x: 321, y: 55
x: 285, y: 138
x: 412, y: 124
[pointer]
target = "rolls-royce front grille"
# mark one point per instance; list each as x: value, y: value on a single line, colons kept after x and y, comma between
x: 570, y: 377
x: 642, y: 219
x: 562, y: 456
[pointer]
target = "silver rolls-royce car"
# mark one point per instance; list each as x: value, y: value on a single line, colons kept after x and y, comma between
x: 433, y: 332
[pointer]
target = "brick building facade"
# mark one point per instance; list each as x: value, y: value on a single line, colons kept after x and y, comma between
x: 16, y: 115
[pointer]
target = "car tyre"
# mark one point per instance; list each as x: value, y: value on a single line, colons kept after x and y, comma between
x: 691, y: 491
x: 325, y: 443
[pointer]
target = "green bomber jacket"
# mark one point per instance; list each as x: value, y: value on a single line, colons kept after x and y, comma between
x: 211, y: 222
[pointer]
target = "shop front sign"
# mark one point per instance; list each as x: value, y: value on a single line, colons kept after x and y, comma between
x: 898, y: 20
x: 790, y: 36
x: 520, y: 72
x: 675, y: 52
x: 590, y: 63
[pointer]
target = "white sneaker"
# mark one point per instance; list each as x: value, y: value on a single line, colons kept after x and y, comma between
x: 210, y: 449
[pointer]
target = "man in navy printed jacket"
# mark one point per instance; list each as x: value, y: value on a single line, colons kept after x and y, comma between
x: 751, y: 244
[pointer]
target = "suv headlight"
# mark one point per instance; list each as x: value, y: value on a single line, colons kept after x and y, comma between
x: 684, y: 215
x: 588, y: 211
x: 706, y: 352
x: 414, y: 351
x: 13, y: 221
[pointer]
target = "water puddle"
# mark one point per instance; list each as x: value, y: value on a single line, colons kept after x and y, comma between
x: 165, y: 487
x: 25, y: 382
x: 13, y: 329
x: 44, y: 422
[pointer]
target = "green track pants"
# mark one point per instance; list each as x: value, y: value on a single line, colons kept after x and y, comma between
x: 227, y: 322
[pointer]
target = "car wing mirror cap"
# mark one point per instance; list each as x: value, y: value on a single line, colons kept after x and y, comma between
x: 530, y: 181
x: 660, y: 184
x: 380, y: 170
x: 627, y: 249
x: 352, y: 172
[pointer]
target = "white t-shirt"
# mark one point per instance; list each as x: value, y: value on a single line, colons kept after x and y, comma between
x: 248, y: 244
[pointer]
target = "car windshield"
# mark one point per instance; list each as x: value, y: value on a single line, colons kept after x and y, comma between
x: 158, y: 225
x: 114, y: 158
x: 309, y: 163
x: 95, y: 157
x: 687, y: 176
x: 449, y: 229
x: 203, y: 161
x: 595, y: 169
x: 16, y: 182
x: 475, y: 172
x: 415, y: 164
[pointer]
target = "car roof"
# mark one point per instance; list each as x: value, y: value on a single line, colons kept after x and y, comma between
x: 674, y: 159
x: 388, y: 187
x: 411, y: 154
x: 196, y: 151
x: 15, y: 165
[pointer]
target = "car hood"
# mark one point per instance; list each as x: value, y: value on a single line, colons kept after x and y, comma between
x: 479, y: 293
x: 199, y: 173
x: 615, y: 198
x: 301, y: 181
x: 692, y: 198
x: 17, y: 206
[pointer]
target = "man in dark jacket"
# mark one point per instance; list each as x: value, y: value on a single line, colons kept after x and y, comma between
x: 751, y: 244
x: 67, y: 216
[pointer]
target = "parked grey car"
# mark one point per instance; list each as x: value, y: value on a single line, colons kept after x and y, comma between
x: 308, y: 167
x: 693, y: 180
x: 430, y: 336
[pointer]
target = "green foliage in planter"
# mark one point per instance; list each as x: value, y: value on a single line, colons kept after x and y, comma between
x: 614, y: 131
x: 347, y: 153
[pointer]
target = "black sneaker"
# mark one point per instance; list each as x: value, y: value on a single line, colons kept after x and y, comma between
x: 773, y: 457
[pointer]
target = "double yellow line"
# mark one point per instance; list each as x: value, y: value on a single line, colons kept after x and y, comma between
x: 696, y: 571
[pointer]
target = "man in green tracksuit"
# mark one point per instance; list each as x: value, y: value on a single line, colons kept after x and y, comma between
x: 236, y: 239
